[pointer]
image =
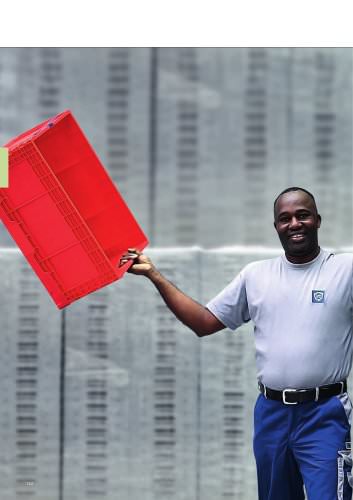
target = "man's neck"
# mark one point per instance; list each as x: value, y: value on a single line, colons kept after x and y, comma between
x: 302, y: 259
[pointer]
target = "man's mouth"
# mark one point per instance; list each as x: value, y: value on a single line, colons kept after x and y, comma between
x: 297, y: 237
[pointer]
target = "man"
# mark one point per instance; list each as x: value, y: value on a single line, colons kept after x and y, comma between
x: 301, y: 306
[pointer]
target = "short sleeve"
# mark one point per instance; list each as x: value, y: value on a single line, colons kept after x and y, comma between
x: 230, y: 306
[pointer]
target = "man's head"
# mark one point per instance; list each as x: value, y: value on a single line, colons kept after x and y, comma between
x: 297, y: 221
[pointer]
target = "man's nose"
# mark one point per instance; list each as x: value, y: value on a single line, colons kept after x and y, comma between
x: 294, y: 223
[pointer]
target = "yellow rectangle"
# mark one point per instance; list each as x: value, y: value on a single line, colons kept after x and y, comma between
x: 4, y: 168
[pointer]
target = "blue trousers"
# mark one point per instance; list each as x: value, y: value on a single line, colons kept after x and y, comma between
x: 300, y: 444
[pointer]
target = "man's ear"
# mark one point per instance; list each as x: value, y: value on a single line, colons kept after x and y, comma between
x: 318, y: 220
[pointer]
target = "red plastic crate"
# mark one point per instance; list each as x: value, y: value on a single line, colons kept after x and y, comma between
x: 64, y: 212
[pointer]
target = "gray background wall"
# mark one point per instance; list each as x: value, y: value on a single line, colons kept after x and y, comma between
x: 200, y: 141
x: 113, y: 398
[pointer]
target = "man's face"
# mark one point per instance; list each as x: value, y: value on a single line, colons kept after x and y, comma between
x: 297, y: 223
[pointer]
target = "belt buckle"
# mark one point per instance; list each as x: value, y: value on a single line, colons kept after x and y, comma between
x: 284, y: 396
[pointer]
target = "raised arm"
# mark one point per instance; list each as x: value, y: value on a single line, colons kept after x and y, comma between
x: 187, y: 310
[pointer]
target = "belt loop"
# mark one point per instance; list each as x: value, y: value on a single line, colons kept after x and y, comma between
x: 342, y: 387
x: 317, y: 390
x: 263, y: 385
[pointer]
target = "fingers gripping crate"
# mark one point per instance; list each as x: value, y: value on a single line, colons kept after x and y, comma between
x: 64, y: 212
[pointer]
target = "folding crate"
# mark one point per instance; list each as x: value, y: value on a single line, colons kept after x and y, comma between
x: 64, y: 212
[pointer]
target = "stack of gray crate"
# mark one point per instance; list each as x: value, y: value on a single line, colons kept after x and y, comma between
x: 228, y: 388
x: 29, y: 378
x: 123, y: 94
x: 320, y: 134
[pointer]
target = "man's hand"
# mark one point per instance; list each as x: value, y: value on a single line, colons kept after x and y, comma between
x: 142, y: 264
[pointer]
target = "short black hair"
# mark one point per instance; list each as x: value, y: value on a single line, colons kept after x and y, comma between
x: 294, y: 188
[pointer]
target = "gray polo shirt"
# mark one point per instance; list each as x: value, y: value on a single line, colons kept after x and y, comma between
x: 302, y: 315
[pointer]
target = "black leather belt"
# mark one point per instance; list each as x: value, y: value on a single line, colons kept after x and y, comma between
x: 295, y: 396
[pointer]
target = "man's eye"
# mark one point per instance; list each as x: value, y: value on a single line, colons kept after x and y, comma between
x: 303, y: 216
x: 284, y: 219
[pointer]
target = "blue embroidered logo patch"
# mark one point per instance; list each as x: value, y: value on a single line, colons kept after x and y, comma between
x: 318, y: 296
